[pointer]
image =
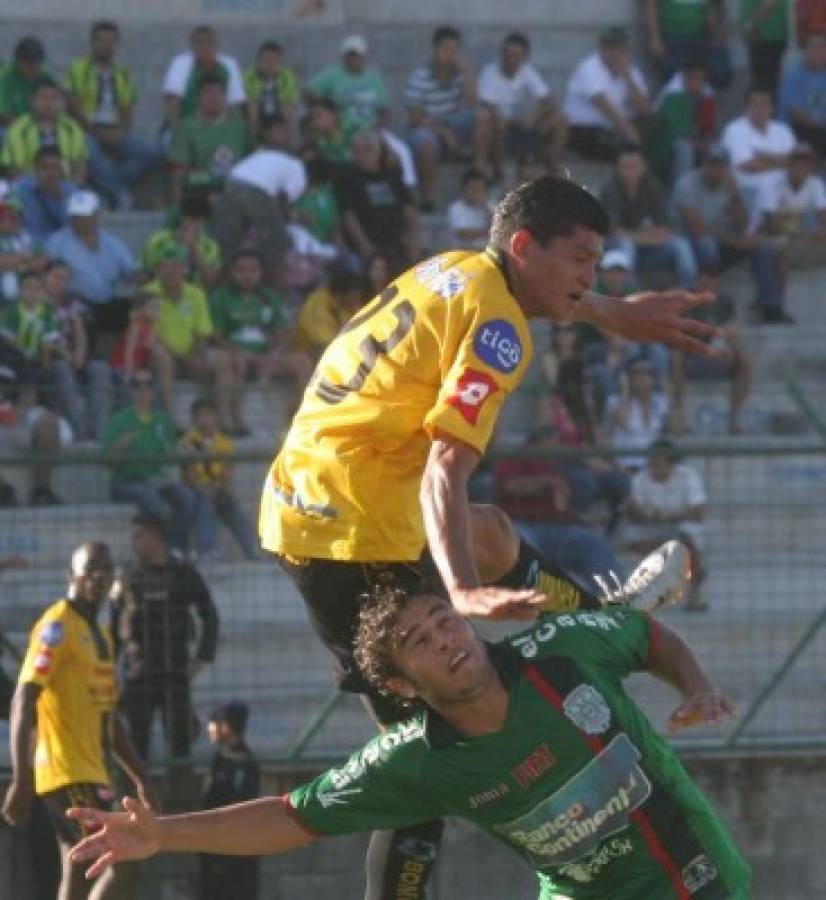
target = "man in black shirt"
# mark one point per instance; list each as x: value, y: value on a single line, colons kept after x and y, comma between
x: 233, y: 778
x: 153, y: 624
x: 378, y: 213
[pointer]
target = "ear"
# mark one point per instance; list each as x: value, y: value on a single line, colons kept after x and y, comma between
x: 520, y: 244
x: 402, y: 687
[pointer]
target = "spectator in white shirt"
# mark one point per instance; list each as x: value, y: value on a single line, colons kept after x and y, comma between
x: 469, y: 217
x: 792, y: 211
x: 183, y: 77
x: 667, y: 502
x: 606, y: 101
x: 253, y: 199
x: 758, y: 146
x: 524, y: 117
x: 638, y: 414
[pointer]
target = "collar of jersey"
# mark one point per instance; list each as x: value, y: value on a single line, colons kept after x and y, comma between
x: 497, y: 257
x: 440, y: 734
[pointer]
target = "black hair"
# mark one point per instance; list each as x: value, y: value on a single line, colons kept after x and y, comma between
x: 341, y: 280
x: 104, y: 25
x: 53, y: 264
x: 235, y: 714
x: 195, y: 205
x: 29, y: 49
x: 759, y: 87
x: 202, y: 31
x: 269, y: 45
x: 45, y: 82
x: 548, y: 207
x: 149, y: 523
x: 211, y: 78
x: 248, y: 254
x: 473, y: 175
x: 667, y: 449
x: 516, y: 37
x: 46, y: 153
x: 325, y: 103
x: 445, y: 33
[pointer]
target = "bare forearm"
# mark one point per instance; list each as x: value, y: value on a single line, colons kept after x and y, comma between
x: 674, y: 662
x: 255, y: 828
x: 21, y: 728
x: 125, y: 753
x: 446, y: 514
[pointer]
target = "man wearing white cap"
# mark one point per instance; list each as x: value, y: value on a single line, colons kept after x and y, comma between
x: 99, y: 261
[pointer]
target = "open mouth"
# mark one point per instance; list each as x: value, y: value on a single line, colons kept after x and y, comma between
x: 457, y: 659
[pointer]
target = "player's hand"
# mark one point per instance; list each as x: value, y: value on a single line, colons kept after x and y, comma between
x: 118, y: 837
x: 18, y: 803
x: 499, y: 603
x: 660, y: 317
x: 700, y: 709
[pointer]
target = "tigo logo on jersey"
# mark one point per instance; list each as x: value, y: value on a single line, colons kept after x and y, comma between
x: 472, y: 390
x: 52, y: 634
x: 497, y: 344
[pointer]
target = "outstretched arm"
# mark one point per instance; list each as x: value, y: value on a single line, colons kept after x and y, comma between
x: 670, y: 659
x: 658, y: 316
x: 255, y: 828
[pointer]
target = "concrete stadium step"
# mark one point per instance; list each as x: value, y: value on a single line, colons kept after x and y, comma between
x: 133, y: 227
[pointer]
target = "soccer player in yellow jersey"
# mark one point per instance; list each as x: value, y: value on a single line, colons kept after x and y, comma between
x: 67, y: 684
x: 374, y: 470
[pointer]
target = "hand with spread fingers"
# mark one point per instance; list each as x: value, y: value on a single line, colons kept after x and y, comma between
x: 700, y: 709
x: 663, y: 317
x: 116, y: 836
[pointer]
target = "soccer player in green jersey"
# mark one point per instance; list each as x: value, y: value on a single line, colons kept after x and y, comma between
x: 532, y: 738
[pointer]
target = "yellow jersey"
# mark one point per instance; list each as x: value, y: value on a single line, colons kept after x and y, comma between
x: 438, y: 351
x: 207, y: 471
x: 72, y: 659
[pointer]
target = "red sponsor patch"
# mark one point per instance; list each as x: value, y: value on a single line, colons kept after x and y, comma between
x: 472, y: 390
x: 43, y: 662
x: 534, y: 767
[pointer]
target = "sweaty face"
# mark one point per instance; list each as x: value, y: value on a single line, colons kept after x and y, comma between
x: 93, y: 574
x: 439, y: 654
x: 552, y: 279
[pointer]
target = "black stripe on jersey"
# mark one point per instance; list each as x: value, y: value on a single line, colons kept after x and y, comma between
x: 661, y: 820
x: 101, y: 647
x: 329, y: 392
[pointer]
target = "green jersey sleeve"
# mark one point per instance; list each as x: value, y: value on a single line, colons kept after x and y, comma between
x: 380, y: 787
x: 616, y: 641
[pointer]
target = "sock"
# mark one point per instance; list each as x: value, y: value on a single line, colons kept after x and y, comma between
x: 565, y: 592
x: 401, y: 862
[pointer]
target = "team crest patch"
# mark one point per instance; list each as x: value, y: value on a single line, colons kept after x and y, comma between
x: 587, y: 709
x: 698, y: 873
x: 52, y: 634
x: 497, y: 344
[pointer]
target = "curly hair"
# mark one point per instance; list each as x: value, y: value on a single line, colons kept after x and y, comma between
x: 380, y: 609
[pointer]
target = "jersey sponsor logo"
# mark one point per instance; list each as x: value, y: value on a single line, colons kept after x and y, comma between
x: 534, y: 767
x: 591, y: 806
x: 470, y: 394
x: 336, y: 798
x: 447, y: 283
x: 587, y: 709
x: 497, y: 344
x: 528, y: 643
x: 698, y: 873
x: 51, y: 634
x: 589, y: 868
x: 491, y: 795
x: 376, y: 751
x: 43, y: 662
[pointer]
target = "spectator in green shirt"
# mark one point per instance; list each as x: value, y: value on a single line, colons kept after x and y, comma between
x: 19, y: 78
x: 679, y: 30
x: 185, y: 332
x: 188, y: 228
x: 135, y: 443
x: 359, y: 92
x: 207, y: 145
x: 329, y: 135
x: 101, y: 95
x: 317, y: 208
x: 765, y: 25
x: 30, y: 325
x: 272, y: 89
x: 251, y: 325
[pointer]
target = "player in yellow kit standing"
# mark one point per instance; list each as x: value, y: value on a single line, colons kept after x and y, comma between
x: 67, y: 683
x: 372, y: 476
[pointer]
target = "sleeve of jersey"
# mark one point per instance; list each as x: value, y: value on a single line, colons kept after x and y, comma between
x: 47, y: 645
x: 363, y: 796
x: 615, y: 641
x: 485, y: 351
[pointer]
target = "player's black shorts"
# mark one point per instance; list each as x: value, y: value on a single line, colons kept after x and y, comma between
x: 97, y: 796
x: 331, y: 589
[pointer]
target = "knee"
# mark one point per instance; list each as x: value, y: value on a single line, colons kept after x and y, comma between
x: 495, y: 542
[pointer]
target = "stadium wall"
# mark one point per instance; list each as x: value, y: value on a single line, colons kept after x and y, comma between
x: 774, y: 804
